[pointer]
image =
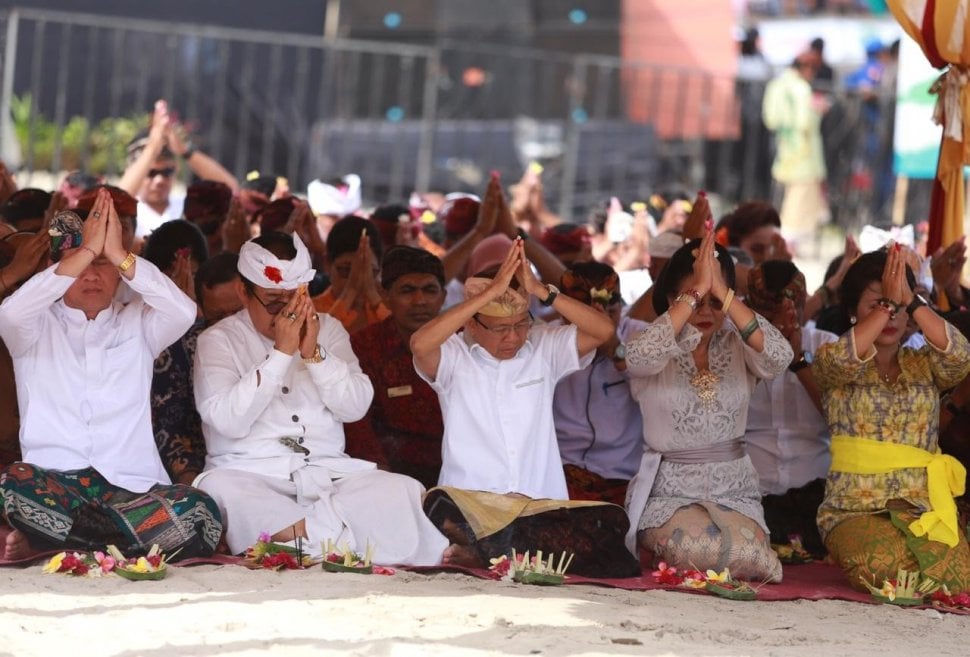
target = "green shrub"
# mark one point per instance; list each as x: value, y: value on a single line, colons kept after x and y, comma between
x: 103, y: 145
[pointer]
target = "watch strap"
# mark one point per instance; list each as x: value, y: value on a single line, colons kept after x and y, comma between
x: 553, y: 293
x: 917, y: 302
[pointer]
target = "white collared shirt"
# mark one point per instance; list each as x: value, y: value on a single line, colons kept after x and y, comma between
x: 598, y: 422
x: 149, y: 220
x: 499, y: 433
x: 250, y: 396
x: 84, y: 385
x: 787, y: 438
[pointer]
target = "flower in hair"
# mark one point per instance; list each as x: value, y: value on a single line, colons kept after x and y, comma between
x: 273, y: 274
x: 600, y: 296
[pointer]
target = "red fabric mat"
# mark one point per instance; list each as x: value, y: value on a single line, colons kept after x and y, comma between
x: 813, y: 581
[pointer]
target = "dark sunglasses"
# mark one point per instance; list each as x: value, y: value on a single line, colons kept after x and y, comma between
x: 273, y: 307
x: 167, y: 172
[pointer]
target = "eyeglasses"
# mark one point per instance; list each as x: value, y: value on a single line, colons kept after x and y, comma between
x: 273, y: 307
x: 166, y: 172
x: 507, y: 329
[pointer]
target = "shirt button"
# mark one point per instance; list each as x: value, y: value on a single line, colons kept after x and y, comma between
x: 285, y: 390
x: 306, y: 460
x: 296, y: 418
x: 300, y: 440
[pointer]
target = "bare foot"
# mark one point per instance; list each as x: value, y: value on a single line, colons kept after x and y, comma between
x: 17, y: 546
x: 462, y: 555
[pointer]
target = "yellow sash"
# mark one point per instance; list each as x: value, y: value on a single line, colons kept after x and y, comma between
x: 946, y: 479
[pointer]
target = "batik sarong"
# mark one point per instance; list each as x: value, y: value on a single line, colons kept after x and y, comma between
x: 81, y: 510
x: 874, y: 547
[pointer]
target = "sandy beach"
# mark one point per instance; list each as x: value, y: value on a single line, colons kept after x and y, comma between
x: 231, y: 611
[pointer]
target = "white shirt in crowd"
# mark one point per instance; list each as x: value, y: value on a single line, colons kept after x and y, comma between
x: 598, y: 422
x: 787, y: 438
x: 148, y: 220
x: 83, y: 386
x: 499, y: 432
x: 250, y: 396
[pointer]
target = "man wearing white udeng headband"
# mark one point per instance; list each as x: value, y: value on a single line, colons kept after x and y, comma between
x: 274, y: 384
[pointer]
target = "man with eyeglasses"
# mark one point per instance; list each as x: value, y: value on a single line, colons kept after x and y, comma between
x: 502, y: 485
x: 274, y: 384
x: 152, y: 167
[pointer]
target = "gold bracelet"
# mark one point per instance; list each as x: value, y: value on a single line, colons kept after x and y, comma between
x: 127, y: 262
x: 728, y: 298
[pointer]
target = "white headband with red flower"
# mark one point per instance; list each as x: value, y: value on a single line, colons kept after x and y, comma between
x: 264, y: 269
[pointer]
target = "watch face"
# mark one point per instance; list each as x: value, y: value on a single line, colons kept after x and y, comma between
x: 807, y: 355
x: 620, y: 352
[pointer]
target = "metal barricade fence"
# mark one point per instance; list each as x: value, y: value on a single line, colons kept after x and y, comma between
x: 402, y: 116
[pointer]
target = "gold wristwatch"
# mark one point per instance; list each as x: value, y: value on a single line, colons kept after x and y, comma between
x: 317, y: 357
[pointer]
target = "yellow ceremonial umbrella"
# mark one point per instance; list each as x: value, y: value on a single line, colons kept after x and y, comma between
x: 942, y: 29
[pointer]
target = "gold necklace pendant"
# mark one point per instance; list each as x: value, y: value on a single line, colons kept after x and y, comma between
x: 705, y: 386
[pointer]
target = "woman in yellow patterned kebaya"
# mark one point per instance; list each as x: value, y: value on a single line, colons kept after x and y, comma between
x: 889, y: 495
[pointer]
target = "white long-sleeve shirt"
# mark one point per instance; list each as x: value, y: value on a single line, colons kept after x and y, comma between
x: 787, y: 437
x: 251, y: 396
x: 84, y: 385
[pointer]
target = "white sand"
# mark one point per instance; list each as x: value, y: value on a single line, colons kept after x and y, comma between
x: 230, y: 611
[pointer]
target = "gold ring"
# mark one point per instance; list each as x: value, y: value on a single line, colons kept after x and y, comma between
x: 291, y: 316
x: 97, y: 215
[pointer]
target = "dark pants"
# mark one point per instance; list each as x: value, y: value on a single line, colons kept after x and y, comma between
x: 794, y: 513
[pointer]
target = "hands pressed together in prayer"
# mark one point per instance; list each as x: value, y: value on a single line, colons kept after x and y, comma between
x: 361, y: 288
x: 707, y: 270
x: 297, y: 326
x: 895, y: 287
x: 517, y: 266
x: 101, y: 236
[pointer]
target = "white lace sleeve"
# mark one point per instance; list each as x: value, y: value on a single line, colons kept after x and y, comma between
x: 773, y: 358
x: 649, y: 351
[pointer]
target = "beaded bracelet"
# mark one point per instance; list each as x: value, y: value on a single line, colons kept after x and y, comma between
x: 749, y: 329
x: 889, y: 306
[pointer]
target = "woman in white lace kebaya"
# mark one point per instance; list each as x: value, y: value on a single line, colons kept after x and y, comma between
x: 695, y: 501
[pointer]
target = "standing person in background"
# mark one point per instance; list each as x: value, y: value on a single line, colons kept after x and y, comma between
x: 794, y: 113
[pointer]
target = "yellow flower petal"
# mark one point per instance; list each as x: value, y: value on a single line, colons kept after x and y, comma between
x: 55, y: 563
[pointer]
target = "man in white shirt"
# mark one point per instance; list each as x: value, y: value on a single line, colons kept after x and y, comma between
x: 152, y: 168
x: 274, y: 384
x: 502, y: 485
x: 91, y: 474
x: 787, y: 437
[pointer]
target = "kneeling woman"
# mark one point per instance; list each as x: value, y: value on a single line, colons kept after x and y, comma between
x: 695, y: 502
x: 889, y: 495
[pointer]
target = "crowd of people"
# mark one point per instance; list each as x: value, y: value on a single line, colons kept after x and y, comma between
x: 452, y: 377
